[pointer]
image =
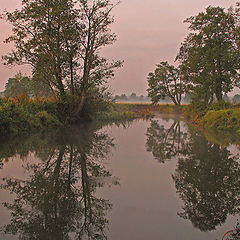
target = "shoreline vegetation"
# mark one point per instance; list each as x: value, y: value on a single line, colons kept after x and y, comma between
x: 21, y: 115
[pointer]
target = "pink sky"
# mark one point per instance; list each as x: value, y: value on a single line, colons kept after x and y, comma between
x: 149, y: 31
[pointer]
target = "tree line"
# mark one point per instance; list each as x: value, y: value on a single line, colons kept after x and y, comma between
x: 208, y: 60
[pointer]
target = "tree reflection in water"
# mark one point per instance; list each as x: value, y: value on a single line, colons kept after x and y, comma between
x: 207, y: 177
x: 58, y: 199
x: 165, y: 143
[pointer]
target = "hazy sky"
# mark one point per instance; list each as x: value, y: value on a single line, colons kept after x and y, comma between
x: 149, y: 31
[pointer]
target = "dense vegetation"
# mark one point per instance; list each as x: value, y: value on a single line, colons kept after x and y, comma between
x: 209, y: 64
x: 61, y: 40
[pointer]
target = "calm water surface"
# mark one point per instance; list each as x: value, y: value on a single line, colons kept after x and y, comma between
x: 145, y: 180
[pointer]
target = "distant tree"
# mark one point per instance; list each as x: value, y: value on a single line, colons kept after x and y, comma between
x: 141, y: 98
x: 116, y: 97
x: 187, y: 98
x: 236, y: 98
x: 226, y: 98
x: 123, y: 97
x: 24, y: 85
x: 133, y: 96
x: 165, y: 81
x: 16, y: 86
x: 209, y: 56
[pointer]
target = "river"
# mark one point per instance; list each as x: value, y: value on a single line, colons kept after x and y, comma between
x: 141, y: 180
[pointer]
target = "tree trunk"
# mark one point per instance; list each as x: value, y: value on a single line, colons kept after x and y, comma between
x: 71, y: 73
x: 81, y: 102
x: 53, y: 92
x: 218, y: 90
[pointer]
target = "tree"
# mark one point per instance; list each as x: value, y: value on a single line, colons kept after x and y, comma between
x: 39, y: 36
x: 165, y: 81
x: 226, y: 98
x: 123, y: 97
x: 209, y: 55
x: 96, y: 20
x: 61, y: 40
x: 133, y: 96
x: 236, y: 98
x: 23, y: 85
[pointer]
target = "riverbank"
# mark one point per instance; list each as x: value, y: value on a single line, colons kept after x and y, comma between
x: 25, y: 115
x: 221, y: 117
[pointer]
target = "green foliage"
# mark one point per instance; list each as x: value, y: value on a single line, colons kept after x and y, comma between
x: 209, y: 56
x: 165, y: 81
x: 20, y: 115
x: 61, y: 41
x: 23, y: 85
x: 228, y: 119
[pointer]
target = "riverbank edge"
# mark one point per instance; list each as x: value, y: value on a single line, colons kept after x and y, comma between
x: 25, y: 115
x: 225, y: 120
x: 19, y: 115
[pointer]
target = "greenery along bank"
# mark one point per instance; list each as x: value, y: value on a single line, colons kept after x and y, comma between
x: 23, y: 114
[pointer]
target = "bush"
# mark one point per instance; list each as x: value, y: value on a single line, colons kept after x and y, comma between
x: 227, y: 119
x: 22, y: 114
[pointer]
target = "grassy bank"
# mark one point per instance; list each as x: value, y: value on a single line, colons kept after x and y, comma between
x: 221, y: 117
x: 20, y: 115
x: 125, y: 111
x: 24, y: 115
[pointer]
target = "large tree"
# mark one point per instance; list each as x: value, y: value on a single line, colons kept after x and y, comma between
x: 209, y: 55
x: 61, y: 40
x: 165, y: 81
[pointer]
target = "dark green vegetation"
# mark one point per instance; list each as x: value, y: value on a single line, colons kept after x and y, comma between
x: 23, y: 114
x: 209, y: 64
x: 217, y: 116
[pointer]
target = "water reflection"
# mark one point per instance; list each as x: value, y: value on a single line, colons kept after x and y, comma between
x: 207, y: 177
x: 58, y: 199
x: 165, y: 143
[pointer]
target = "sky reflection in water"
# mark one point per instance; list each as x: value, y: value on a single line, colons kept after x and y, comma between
x: 157, y: 179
